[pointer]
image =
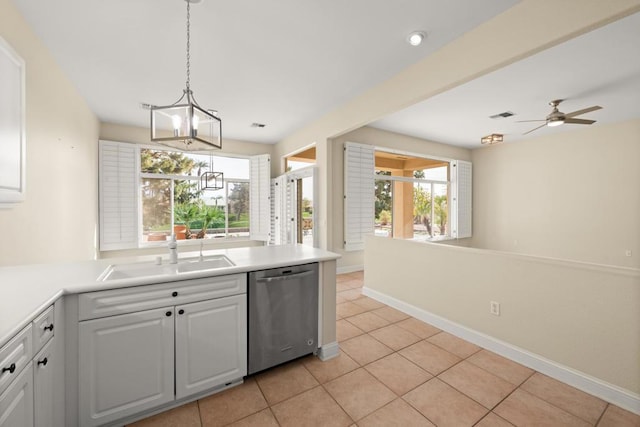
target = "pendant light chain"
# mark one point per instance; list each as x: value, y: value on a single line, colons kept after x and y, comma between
x: 194, y: 128
x: 188, y: 46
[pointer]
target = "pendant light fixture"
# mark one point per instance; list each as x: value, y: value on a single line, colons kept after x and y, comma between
x: 185, y: 125
x: 211, y: 180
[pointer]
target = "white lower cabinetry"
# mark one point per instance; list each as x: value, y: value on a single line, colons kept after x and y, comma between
x: 16, y: 402
x: 211, y: 344
x: 126, y: 365
x: 138, y: 361
x: 44, y: 365
x: 26, y: 381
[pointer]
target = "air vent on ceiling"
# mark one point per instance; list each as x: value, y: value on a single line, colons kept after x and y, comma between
x: 257, y: 125
x: 502, y: 115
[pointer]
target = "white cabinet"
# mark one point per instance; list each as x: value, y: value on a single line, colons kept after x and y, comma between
x: 137, y: 351
x: 126, y: 365
x: 16, y: 402
x: 15, y: 356
x: 43, y: 386
x: 211, y: 344
x: 26, y: 382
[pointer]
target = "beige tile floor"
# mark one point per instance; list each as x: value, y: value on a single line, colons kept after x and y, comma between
x: 394, y: 370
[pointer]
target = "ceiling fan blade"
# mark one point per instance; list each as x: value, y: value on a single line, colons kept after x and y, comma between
x: 583, y: 111
x: 525, y: 121
x: 579, y: 121
x: 536, y: 128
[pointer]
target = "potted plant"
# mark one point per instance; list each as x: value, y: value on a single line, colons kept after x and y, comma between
x: 209, y: 215
x: 185, y: 214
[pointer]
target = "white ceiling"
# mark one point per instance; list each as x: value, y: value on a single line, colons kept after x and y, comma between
x: 598, y: 68
x: 285, y: 63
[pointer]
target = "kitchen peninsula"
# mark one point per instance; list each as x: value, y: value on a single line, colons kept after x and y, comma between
x: 37, y: 297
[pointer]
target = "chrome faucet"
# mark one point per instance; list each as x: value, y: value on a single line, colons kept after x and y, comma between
x: 173, y: 250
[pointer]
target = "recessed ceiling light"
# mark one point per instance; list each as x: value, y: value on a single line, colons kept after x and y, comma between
x: 416, y: 38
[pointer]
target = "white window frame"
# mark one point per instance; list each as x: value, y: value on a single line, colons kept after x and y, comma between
x: 284, y: 218
x: 431, y: 183
x: 460, y: 193
x: 111, y: 226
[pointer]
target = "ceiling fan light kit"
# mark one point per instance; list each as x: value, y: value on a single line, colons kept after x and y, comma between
x: 494, y: 138
x: 557, y: 117
x: 184, y: 125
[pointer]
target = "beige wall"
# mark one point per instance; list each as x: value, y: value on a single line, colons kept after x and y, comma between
x: 572, y: 195
x: 581, y: 316
x: 58, y: 219
x: 383, y: 139
x: 138, y: 135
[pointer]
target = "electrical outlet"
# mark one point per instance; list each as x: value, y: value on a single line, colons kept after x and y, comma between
x: 628, y: 252
x: 494, y: 308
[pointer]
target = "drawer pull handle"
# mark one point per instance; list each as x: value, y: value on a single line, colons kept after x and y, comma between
x: 180, y: 311
x: 43, y: 362
x: 49, y: 328
x: 174, y: 294
x: 11, y: 369
x: 168, y: 313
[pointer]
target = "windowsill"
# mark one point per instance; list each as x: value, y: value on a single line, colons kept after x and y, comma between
x: 433, y: 239
x: 194, y: 242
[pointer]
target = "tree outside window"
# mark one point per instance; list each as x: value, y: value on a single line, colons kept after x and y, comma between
x: 173, y: 203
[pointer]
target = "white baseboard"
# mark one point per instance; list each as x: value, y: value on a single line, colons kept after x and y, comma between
x: 349, y: 269
x: 594, y: 386
x: 329, y: 351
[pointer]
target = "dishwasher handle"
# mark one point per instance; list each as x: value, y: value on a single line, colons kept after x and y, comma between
x: 285, y: 276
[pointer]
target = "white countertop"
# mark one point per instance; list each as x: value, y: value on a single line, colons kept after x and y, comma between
x: 27, y: 290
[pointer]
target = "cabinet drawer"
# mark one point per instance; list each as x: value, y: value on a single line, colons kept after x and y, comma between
x: 94, y: 305
x: 42, y: 329
x: 14, y: 356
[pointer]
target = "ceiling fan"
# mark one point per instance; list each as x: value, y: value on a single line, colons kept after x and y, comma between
x: 556, y: 118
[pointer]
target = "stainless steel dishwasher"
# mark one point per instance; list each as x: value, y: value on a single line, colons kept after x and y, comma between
x: 283, y: 315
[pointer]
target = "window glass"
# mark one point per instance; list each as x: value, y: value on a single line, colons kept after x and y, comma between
x: 411, y: 197
x: 383, y: 206
x: 156, y: 208
x: 177, y: 205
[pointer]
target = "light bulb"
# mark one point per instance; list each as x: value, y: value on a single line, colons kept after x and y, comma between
x: 556, y: 122
x: 177, y: 124
x: 195, y: 121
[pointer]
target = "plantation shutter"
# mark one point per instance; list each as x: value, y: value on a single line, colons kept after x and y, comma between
x: 461, y: 198
x: 260, y: 205
x: 359, y: 194
x: 284, y: 210
x: 274, y: 225
x: 118, y: 192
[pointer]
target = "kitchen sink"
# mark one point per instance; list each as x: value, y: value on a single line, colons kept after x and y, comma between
x: 149, y: 268
x: 207, y: 263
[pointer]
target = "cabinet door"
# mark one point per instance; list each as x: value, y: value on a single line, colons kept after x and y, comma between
x: 16, y: 402
x: 126, y: 365
x: 43, y: 365
x: 211, y: 344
